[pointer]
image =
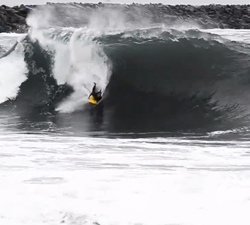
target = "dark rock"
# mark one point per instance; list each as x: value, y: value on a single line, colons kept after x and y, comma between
x: 237, y: 13
x: 23, y: 10
x: 246, y: 18
x: 13, y: 19
x: 4, y: 18
x: 1, y: 22
x: 1, y: 29
x: 4, y: 7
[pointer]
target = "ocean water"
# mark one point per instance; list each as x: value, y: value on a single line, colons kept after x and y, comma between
x: 169, y: 145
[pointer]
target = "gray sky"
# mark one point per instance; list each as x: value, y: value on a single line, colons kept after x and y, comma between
x: 171, y: 2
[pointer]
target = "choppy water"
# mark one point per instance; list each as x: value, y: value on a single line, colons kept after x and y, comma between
x: 60, y: 179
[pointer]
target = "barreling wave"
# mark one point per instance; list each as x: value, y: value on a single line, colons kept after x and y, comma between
x: 177, y: 80
x: 155, y: 79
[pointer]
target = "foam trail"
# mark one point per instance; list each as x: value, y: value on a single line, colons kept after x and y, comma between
x: 80, y: 63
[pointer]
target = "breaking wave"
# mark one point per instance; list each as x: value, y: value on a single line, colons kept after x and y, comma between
x: 154, y: 78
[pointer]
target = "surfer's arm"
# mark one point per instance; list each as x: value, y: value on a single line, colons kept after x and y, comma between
x: 93, y: 89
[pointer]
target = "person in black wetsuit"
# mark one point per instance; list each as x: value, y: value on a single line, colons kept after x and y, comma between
x: 96, y: 94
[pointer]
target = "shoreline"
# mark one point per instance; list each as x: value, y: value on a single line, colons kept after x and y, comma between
x: 13, y: 19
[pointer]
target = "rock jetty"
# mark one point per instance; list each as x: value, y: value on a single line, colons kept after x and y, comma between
x: 13, y: 19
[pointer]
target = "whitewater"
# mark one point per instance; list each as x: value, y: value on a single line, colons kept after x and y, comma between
x: 170, y: 145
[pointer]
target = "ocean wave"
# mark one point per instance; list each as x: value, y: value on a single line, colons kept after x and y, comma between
x: 154, y: 78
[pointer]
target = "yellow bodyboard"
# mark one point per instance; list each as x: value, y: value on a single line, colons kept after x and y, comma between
x: 92, y: 99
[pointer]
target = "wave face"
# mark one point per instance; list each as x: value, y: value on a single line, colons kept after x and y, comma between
x: 177, y: 80
x: 154, y: 77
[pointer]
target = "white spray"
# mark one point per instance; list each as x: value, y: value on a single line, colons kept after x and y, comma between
x: 78, y: 62
x: 12, y: 68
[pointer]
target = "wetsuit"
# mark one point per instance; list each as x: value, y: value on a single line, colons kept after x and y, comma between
x: 96, y: 94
